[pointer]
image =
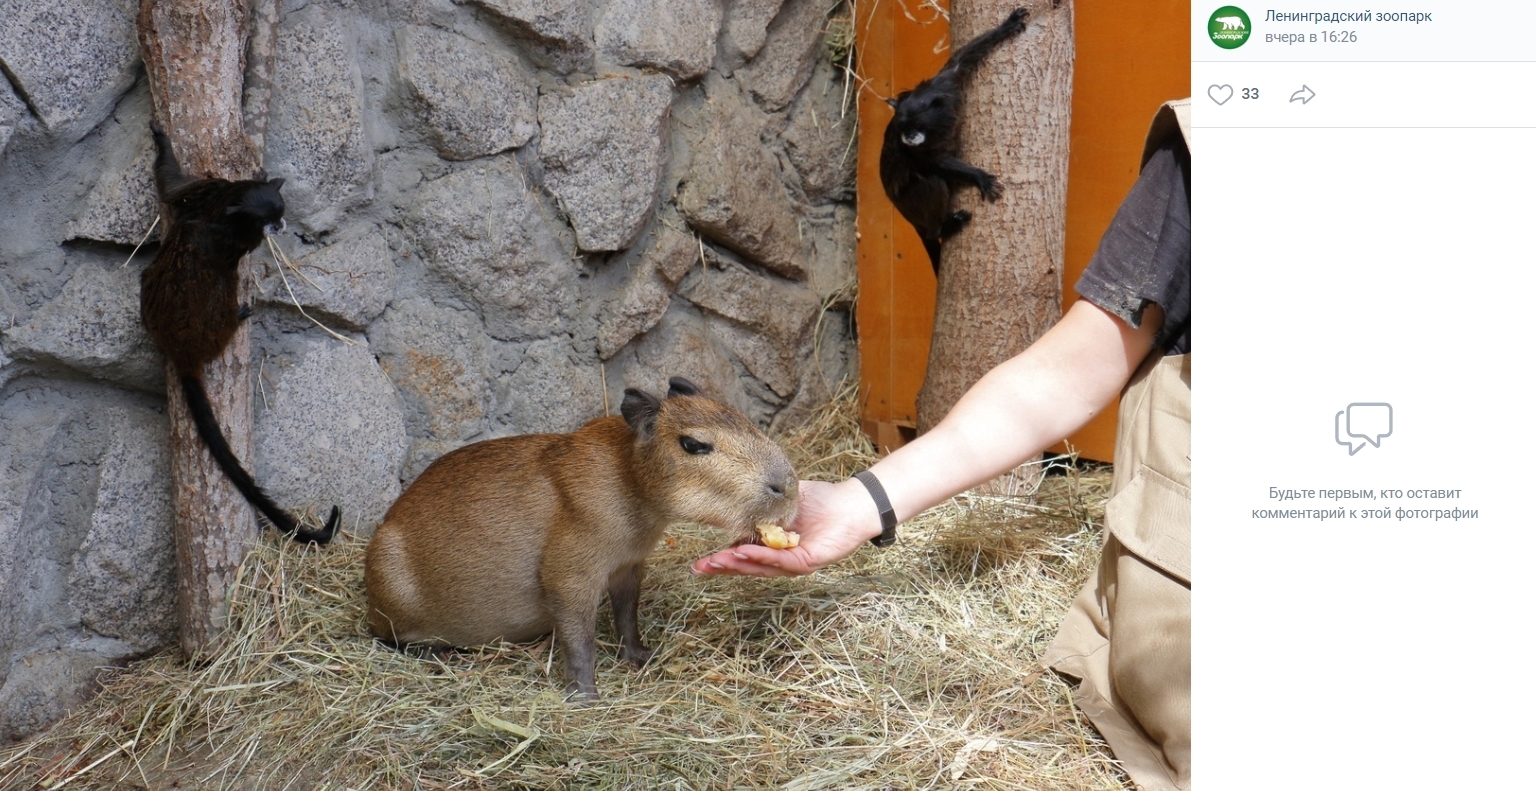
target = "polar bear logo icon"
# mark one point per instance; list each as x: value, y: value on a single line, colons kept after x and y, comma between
x: 1231, y: 23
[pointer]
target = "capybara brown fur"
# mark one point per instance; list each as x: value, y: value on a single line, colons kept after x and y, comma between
x: 513, y: 538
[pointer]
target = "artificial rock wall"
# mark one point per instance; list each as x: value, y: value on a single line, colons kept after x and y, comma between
x: 512, y: 208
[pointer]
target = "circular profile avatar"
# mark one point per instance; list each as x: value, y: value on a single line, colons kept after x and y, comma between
x: 1229, y: 27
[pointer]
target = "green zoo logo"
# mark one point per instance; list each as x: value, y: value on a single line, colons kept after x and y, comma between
x: 1229, y: 27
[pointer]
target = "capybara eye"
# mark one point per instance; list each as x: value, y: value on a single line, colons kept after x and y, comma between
x: 694, y: 446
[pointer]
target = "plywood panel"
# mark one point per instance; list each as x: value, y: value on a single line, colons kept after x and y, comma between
x: 1131, y: 57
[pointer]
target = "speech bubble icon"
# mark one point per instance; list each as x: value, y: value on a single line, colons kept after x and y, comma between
x: 1341, y: 436
x: 1362, y: 423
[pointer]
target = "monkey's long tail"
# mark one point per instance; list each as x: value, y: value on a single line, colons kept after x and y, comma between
x: 213, y: 437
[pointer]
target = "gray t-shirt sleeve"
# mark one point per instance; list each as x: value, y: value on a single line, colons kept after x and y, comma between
x: 1144, y: 255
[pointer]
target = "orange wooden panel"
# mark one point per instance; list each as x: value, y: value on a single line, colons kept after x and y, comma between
x: 1132, y: 55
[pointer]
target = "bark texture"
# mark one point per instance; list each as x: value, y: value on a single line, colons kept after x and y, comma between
x: 1000, y: 281
x: 195, y: 55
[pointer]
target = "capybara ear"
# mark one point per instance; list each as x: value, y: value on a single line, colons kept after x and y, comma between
x: 678, y: 386
x: 639, y: 410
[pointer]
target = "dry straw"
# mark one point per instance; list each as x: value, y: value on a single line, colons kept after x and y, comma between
x: 912, y: 667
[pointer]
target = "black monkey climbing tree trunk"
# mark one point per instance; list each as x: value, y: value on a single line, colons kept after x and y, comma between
x: 195, y: 56
x: 1000, y: 284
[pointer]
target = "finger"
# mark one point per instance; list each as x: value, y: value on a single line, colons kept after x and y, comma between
x: 733, y: 566
x: 753, y: 560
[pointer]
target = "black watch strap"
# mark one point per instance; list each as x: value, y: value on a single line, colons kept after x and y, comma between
x: 887, y: 535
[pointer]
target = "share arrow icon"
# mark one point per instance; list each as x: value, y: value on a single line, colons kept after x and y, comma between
x: 1304, y: 95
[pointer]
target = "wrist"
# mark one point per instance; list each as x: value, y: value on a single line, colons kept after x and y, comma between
x: 885, y: 512
x: 858, y: 510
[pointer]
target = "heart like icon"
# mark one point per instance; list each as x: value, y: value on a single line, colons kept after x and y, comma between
x: 1219, y: 93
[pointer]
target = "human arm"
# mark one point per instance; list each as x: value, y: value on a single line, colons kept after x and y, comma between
x: 1012, y: 414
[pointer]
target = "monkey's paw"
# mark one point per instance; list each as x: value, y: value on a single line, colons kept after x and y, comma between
x: 954, y: 223
x: 990, y: 187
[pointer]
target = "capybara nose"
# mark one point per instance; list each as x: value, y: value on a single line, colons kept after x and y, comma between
x: 786, y: 487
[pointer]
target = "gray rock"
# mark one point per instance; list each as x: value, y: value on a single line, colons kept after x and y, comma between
x: 87, y: 578
x: 12, y: 112
x: 123, y: 578
x: 675, y: 252
x: 635, y: 309
x: 555, y: 33
x: 122, y: 206
x: 834, y: 261
x: 834, y: 364
x: 472, y: 102
x: 820, y: 138
x: 734, y: 192
x: 420, y: 456
x: 785, y: 61
x: 781, y: 310
x: 675, y: 36
x: 42, y: 687
x: 92, y: 326
x: 71, y: 59
x: 492, y: 237
x: 438, y: 13
x: 602, y: 155
x: 645, y: 295
x: 679, y: 345
x: 355, y: 278
x: 747, y: 23
x: 32, y: 421
x: 545, y: 388
x: 329, y: 430
x: 773, y: 362
x: 435, y: 356
x: 315, y: 137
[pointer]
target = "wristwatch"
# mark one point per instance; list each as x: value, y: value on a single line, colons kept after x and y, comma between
x: 887, y: 535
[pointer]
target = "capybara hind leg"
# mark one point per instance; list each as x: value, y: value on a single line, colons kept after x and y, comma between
x: 576, y: 632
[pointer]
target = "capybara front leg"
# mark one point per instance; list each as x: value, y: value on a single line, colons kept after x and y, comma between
x: 624, y: 593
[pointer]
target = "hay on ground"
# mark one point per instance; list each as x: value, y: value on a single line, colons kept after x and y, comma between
x: 912, y: 667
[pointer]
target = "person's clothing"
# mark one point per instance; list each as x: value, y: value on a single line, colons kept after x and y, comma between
x: 1127, y: 634
x: 1144, y: 255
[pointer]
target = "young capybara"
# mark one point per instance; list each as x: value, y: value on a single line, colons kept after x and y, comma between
x: 512, y: 538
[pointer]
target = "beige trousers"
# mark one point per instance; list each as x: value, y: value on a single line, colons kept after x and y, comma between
x: 1127, y: 635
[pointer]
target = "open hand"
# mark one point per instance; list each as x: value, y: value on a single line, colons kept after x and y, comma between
x: 834, y: 521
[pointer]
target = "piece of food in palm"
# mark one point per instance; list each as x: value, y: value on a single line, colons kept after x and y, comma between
x: 776, y: 537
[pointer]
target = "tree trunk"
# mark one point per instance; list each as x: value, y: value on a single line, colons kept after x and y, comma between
x: 195, y: 55
x: 1000, y: 282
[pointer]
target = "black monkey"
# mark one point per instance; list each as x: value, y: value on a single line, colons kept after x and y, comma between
x: 919, y: 162
x: 188, y: 298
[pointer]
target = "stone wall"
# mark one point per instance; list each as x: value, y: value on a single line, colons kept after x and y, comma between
x: 512, y: 208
